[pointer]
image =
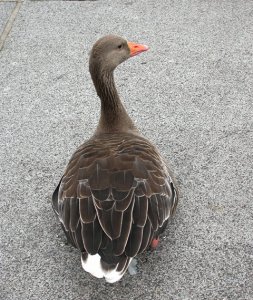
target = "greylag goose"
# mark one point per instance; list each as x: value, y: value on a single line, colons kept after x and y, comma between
x: 116, y: 194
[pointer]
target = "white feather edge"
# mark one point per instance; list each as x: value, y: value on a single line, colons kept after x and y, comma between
x: 92, y: 265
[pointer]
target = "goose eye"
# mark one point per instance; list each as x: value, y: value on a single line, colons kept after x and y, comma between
x: 120, y: 46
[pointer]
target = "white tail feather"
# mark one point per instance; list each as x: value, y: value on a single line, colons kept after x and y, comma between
x: 92, y: 265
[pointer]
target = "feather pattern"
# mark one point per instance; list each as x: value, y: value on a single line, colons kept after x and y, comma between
x: 119, y: 200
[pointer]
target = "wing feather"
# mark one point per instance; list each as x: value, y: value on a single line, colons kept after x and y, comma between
x: 146, y: 237
x: 153, y: 212
x: 140, y: 211
x: 92, y: 236
x: 119, y: 244
x: 66, y: 213
x: 78, y: 237
x: 87, y: 210
x: 74, y: 213
x: 134, y: 241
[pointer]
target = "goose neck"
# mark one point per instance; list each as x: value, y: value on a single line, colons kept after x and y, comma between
x: 114, y: 117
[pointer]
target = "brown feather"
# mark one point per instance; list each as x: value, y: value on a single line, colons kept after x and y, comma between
x: 87, y: 210
x: 78, y: 237
x: 83, y: 189
x: 153, y: 212
x: 104, y: 217
x: 146, y: 236
x: 123, y: 264
x: 101, y: 194
x: 66, y: 213
x: 122, y: 180
x: 74, y: 213
x: 134, y: 241
x: 122, y: 205
x: 91, y: 236
x: 140, y: 211
x: 119, y: 244
x: 104, y: 205
x: 99, y: 178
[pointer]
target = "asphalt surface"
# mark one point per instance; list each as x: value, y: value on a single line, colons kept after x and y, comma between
x: 191, y: 94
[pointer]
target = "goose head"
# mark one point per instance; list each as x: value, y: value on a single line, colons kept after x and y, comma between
x: 110, y: 51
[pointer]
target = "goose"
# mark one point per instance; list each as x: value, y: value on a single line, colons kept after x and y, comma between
x: 117, y: 193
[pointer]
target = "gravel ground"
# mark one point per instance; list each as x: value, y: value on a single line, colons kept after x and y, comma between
x: 191, y: 94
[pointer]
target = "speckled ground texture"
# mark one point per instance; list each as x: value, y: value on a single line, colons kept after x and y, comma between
x: 191, y: 94
x: 5, y: 11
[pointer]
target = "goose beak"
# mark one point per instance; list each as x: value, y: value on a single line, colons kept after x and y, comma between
x: 136, y: 48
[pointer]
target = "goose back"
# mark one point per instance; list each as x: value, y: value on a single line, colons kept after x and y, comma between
x: 115, y: 197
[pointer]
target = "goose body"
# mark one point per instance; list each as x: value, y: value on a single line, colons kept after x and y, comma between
x: 116, y: 194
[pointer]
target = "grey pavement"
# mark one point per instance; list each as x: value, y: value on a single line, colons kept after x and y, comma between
x: 5, y: 11
x: 191, y: 94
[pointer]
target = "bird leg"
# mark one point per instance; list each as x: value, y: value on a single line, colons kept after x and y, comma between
x: 132, y: 268
x: 154, y: 243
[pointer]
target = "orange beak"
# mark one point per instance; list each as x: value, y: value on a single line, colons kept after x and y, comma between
x: 136, y: 48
